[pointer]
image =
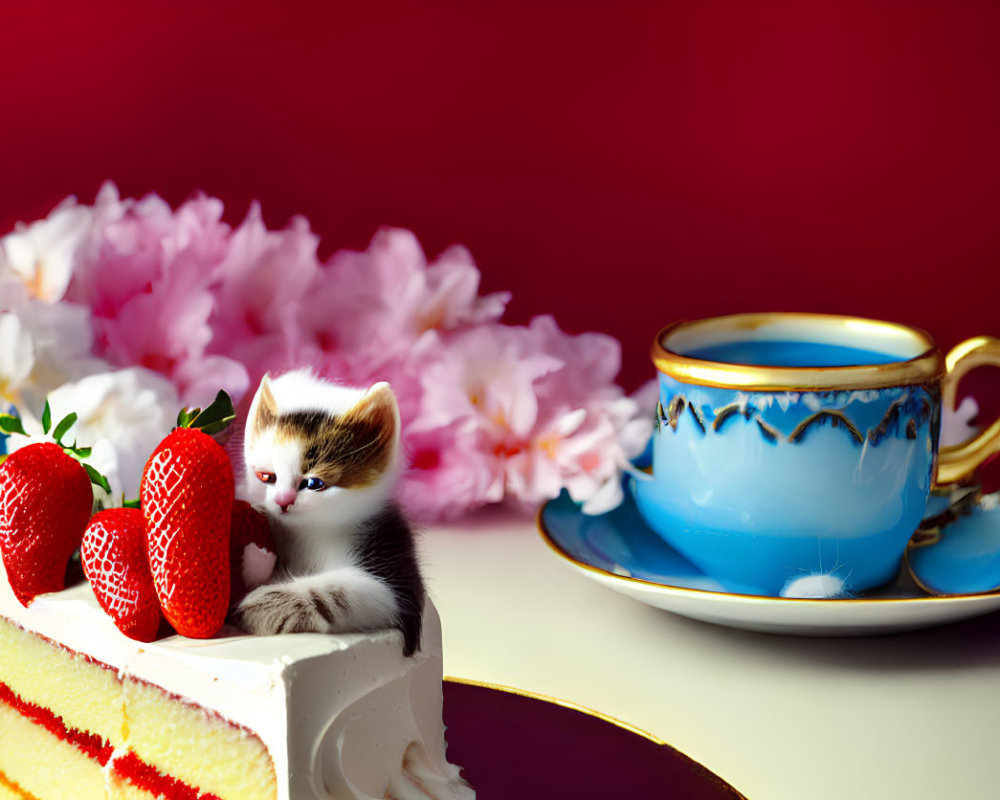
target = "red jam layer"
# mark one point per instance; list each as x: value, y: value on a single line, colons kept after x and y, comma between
x: 129, y: 766
x: 150, y: 779
x: 92, y: 745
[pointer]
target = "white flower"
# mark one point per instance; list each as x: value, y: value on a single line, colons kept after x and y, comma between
x: 44, y: 346
x: 17, y: 353
x: 628, y: 425
x: 122, y: 415
x: 41, y: 254
x: 45, y: 341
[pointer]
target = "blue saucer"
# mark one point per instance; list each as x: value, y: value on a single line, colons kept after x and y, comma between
x: 620, y: 542
x: 962, y: 555
x: 620, y: 552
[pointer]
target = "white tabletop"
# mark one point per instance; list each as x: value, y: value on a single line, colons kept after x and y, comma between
x: 910, y: 715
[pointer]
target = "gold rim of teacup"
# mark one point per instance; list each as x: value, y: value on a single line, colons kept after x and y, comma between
x: 925, y: 367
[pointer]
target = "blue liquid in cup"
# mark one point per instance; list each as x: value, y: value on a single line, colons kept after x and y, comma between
x: 789, y: 354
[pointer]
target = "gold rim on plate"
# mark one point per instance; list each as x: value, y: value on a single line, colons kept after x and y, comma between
x: 590, y: 712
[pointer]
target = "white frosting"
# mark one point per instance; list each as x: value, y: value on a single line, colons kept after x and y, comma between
x: 319, y: 702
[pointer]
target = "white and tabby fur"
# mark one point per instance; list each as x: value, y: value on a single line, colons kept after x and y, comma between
x: 346, y: 558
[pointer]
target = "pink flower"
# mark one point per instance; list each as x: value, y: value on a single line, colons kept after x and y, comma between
x: 264, y: 283
x: 489, y: 411
x: 447, y: 473
x: 148, y: 276
x: 378, y: 303
x: 488, y: 373
x: 959, y: 425
x: 385, y: 313
x: 536, y: 413
x: 587, y: 450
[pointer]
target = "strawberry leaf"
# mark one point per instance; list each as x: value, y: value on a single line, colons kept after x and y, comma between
x: 96, y: 477
x: 215, y: 427
x: 216, y: 417
x: 133, y: 503
x: 187, y: 416
x: 64, y: 425
x: 11, y: 424
x: 47, y: 419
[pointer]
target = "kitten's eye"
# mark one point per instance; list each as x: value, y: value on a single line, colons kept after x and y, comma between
x: 313, y: 484
x: 266, y: 477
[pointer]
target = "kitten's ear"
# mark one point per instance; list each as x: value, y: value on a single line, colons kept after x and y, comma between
x: 264, y: 412
x: 378, y: 406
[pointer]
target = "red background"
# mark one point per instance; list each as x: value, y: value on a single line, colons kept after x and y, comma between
x: 616, y: 164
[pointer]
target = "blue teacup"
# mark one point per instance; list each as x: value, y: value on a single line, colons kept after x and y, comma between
x: 799, y: 450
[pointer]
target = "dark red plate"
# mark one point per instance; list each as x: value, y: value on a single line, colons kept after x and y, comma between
x: 516, y: 747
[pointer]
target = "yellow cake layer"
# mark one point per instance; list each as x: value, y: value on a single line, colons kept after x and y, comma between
x: 185, y: 740
x: 11, y: 791
x: 43, y: 765
x: 86, y: 695
x: 177, y: 738
x: 123, y: 790
x: 8, y: 792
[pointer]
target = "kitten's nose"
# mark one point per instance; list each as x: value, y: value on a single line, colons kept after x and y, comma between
x: 285, y: 498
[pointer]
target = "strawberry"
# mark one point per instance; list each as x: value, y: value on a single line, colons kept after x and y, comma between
x: 45, y: 503
x: 187, y: 498
x: 252, y: 552
x: 114, y: 559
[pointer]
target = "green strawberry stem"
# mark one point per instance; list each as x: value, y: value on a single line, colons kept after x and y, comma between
x: 9, y: 423
x: 213, y: 419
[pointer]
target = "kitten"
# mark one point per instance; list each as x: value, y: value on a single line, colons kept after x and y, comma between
x: 321, y: 461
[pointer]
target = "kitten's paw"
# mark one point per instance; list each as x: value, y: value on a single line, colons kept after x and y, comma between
x: 269, y: 610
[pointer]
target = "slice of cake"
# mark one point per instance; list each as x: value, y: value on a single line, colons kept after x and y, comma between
x: 86, y: 712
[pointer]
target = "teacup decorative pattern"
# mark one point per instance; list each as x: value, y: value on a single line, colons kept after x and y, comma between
x: 790, y: 446
x: 909, y: 411
x: 848, y: 472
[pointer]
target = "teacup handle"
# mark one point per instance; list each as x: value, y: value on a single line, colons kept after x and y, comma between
x: 957, y: 461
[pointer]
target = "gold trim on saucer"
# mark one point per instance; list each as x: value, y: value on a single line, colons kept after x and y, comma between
x: 756, y: 598
x: 927, y: 366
